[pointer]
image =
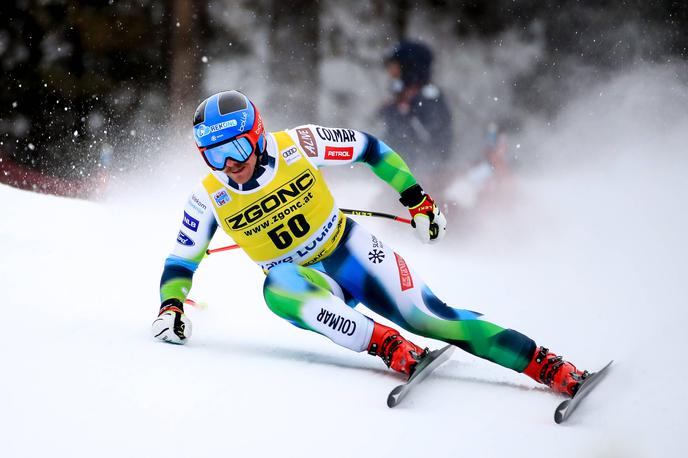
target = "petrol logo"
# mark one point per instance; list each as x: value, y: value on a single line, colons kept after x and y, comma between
x: 339, y: 153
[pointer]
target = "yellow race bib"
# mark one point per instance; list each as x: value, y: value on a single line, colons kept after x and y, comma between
x: 292, y: 218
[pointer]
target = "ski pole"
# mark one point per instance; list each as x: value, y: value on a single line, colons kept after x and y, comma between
x: 375, y: 214
x: 346, y: 211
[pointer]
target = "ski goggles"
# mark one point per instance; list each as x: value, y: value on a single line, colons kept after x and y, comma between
x: 238, y: 149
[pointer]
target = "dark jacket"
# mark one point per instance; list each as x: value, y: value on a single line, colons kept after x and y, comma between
x: 424, y: 135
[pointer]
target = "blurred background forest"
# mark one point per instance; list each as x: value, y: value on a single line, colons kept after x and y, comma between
x: 92, y: 86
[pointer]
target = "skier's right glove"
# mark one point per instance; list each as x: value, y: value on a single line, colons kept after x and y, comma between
x: 172, y: 325
x: 426, y: 218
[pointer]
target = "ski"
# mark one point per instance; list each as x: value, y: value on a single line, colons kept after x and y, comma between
x: 566, y: 408
x: 429, y: 363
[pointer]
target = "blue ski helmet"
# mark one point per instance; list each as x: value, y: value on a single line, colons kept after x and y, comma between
x: 228, y: 125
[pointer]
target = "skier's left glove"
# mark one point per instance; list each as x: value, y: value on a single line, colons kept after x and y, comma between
x: 172, y: 325
x: 429, y: 223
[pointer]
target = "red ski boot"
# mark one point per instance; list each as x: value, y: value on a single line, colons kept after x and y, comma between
x: 553, y: 371
x: 398, y: 353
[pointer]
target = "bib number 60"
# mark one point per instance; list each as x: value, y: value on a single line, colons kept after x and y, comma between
x: 283, y: 237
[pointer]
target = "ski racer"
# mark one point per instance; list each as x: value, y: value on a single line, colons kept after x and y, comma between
x: 266, y: 192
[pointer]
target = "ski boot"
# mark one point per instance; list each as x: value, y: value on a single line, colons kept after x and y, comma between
x: 398, y: 353
x: 551, y: 370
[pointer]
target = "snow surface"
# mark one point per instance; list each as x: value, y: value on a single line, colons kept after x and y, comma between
x: 591, y: 260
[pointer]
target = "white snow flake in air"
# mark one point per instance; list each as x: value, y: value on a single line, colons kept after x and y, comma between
x: 76, y: 133
x: 204, y: 59
x: 32, y: 146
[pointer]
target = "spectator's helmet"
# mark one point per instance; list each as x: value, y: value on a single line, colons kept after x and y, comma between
x: 415, y: 60
x: 228, y: 125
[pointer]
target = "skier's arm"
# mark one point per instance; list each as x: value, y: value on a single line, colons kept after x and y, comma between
x: 429, y: 223
x: 387, y: 164
x: 327, y: 146
x: 197, y: 228
x: 335, y: 146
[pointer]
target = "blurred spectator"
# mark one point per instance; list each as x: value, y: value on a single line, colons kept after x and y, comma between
x: 417, y: 120
x: 486, y: 181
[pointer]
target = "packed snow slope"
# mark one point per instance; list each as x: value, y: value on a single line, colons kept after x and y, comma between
x: 590, y: 259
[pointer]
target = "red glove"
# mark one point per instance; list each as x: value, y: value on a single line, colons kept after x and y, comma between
x: 426, y: 219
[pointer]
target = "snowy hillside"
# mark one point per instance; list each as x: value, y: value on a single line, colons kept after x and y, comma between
x: 591, y: 261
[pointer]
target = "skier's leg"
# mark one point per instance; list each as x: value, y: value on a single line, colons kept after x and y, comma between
x: 311, y: 300
x: 380, y: 279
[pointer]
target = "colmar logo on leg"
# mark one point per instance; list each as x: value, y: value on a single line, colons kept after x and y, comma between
x: 336, y: 322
